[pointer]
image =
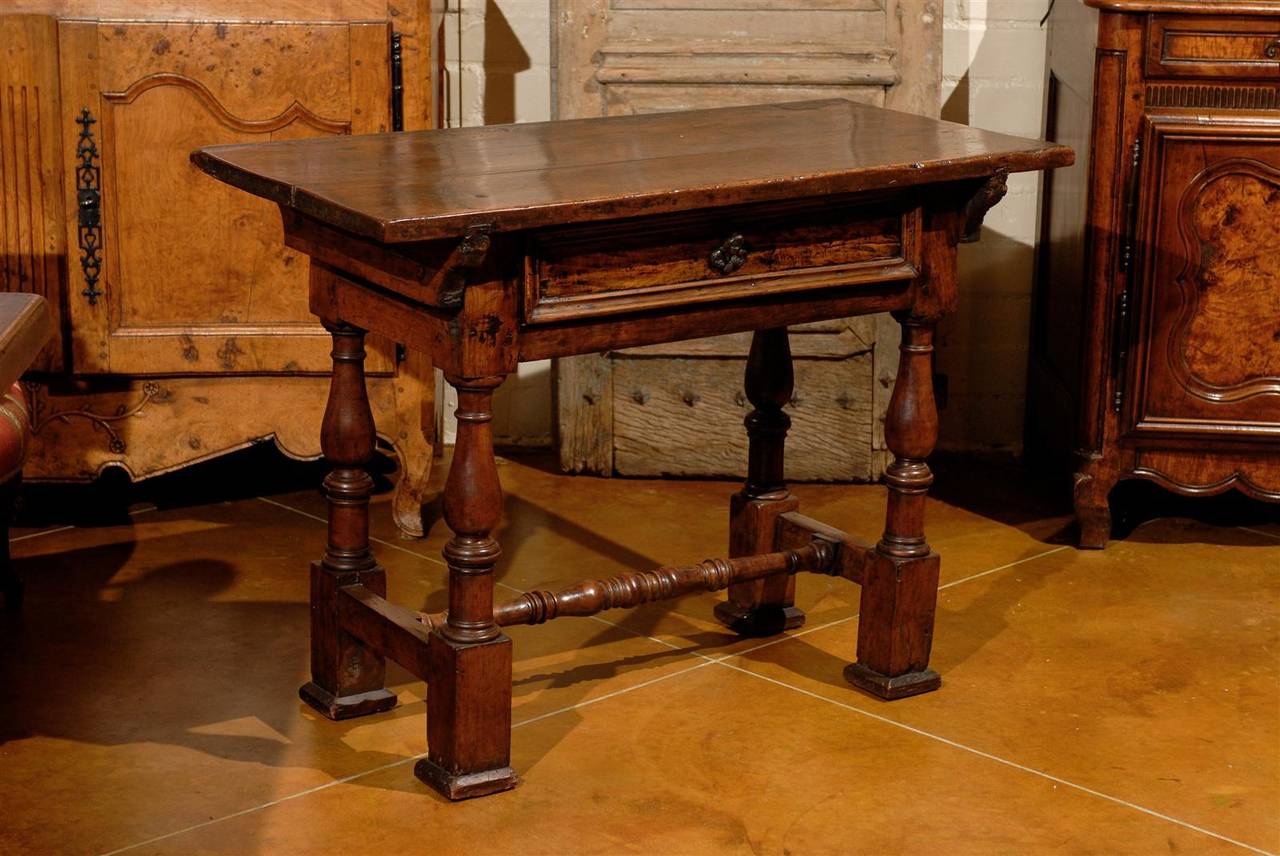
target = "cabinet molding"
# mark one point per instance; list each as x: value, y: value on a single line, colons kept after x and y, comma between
x: 1177, y: 376
x: 185, y: 332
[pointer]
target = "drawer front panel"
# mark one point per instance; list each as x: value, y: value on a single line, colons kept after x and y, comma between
x: 1200, y: 46
x: 626, y: 266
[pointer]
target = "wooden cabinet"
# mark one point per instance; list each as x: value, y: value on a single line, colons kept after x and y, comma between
x: 184, y: 330
x: 1158, y: 306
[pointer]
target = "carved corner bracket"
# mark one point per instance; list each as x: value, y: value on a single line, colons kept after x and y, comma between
x: 465, y: 260
x: 975, y: 210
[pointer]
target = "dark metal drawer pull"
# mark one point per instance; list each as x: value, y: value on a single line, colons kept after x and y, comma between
x: 1272, y: 50
x: 730, y: 255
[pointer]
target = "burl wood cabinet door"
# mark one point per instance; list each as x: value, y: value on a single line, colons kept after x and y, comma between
x: 171, y: 272
x: 1207, y: 317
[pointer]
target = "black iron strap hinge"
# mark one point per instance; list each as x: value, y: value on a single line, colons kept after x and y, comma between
x: 397, y: 84
x: 1128, y: 264
x: 1131, y: 208
x: 89, y: 206
x: 1121, y: 350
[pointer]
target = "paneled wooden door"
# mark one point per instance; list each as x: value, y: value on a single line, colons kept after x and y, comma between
x: 157, y: 243
x: 1206, y: 358
x: 635, y: 56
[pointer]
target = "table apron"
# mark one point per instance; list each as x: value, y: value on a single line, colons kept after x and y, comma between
x: 337, y: 296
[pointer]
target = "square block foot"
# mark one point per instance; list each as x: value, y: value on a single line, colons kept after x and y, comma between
x: 885, y: 687
x: 349, y: 706
x: 760, y: 621
x: 464, y: 786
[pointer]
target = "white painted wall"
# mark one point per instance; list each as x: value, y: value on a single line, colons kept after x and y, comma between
x: 497, y: 54
x: 993, y: 78
x: 498, y: 70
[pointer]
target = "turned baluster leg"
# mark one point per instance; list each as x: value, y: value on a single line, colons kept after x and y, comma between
x: 469, y: 697
x: 900, y: 590
x: 766, y: 606
x: 346, y: 677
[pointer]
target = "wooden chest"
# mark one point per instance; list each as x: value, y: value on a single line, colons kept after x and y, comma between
x: 1156, y: 349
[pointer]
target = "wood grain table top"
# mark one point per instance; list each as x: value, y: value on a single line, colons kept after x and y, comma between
x: 436, y: 184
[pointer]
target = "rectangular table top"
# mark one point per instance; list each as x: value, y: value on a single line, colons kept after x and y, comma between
x: 435, y: 184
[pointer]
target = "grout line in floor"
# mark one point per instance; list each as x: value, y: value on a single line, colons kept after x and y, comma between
x: 614, y: 694
x: 390, y: 544
x: 498, y: 583
x: 1004, y: 761
x: 1014, y: 563
x: 52, y: 531
x: 663, y: 642
x: 722, y: 661
x: 1261, y: 532
x: 56, y: 529
x: 707, y: 660
x: 807, y: 631
x: 398, y: 763
x: 385, y: 543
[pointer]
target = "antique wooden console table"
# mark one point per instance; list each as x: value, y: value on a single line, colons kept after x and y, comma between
x: 487, y: 246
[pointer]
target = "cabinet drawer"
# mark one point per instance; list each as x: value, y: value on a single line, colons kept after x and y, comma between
x: 724, y: 254
x: 1203, y: 46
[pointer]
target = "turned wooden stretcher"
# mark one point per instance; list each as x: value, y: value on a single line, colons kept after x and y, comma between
x: 487, y: 246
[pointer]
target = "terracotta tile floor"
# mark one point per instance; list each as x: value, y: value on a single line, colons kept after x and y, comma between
x: 1118, y: 702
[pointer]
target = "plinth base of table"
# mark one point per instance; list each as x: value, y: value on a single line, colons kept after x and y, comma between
x: 462, y: 786
x: 760, y: 621
x: 346, y: 707
x: 899, y: 686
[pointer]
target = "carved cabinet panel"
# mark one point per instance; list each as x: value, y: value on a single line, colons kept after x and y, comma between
x: 188, y: 275
x: 183, y: 330
x: 1156, y: 330
x: 1207, y: 349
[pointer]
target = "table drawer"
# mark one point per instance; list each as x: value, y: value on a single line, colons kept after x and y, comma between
x: 724, y: 254
x: 1201, y: 46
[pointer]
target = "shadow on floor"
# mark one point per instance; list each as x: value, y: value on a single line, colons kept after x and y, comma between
x: 259, y: 470
x: 1134, y: 503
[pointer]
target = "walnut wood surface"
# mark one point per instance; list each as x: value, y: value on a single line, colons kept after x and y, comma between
x: 574, y: 272
x: 591, y: 597
x: 465, y: 298
x: 1214, y: 46
x: 1171, y: 372
x: 347, y: 676
x: 200, y: 342
x: 767, y: 606
x: 405, y: 187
